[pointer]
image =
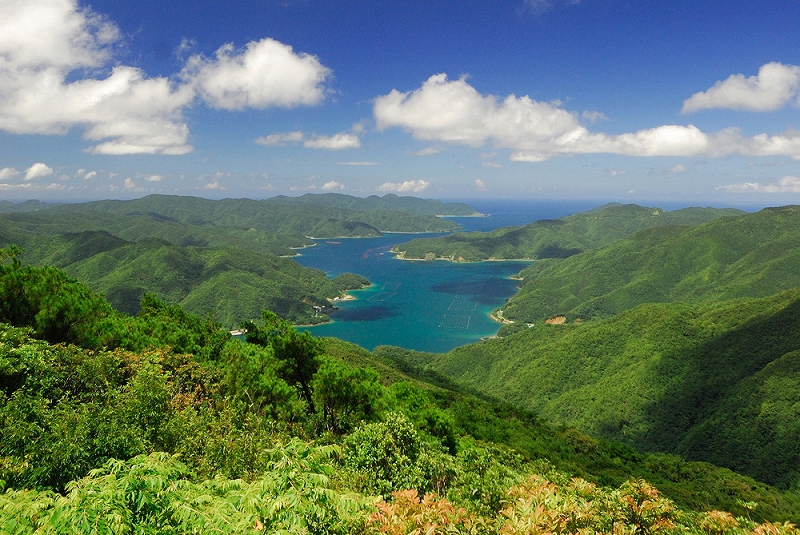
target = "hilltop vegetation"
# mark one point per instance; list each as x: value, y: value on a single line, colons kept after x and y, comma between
x: 307, y: 216
x: 554, y: 238
x: 697, y: 354
x: 165, y: 423
x: 210, y: 256
x: 752, y: 255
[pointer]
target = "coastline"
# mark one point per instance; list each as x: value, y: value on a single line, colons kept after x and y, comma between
x: 497, y: 315
x: 401, y: 255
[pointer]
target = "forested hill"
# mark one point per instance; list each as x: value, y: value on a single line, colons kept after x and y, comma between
x: 389, y: 202
x: 284, y: 216
x: 555, y: 238
x: 210, y: 256
x: 751, y: 255
x: 716, y: 382
x: 164, y: 423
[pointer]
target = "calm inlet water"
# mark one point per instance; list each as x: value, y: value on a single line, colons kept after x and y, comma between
x: 427, y: 306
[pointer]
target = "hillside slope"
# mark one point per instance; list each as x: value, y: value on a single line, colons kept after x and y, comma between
x: 661, y: 377
x: 284, y: 216
x: 751, y: 255
x: 233, y: 284
x: 554, y: 238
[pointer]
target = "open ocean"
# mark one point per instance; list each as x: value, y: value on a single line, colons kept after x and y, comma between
x: 426, y: 306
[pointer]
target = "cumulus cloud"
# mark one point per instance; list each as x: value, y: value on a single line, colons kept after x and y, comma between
x: 90, y: 175
x: 404, y: 187
x: 153, y: 178
x: 452, y: 111
x: 281, y: 139
x: 342, y: 140
x: 215, y: 185
x: 43, y: 43
x: 332, y: 185
x: 38, y: 170
x: 772, y: 88
x: 479, y: 185
x: 338, y: 141
x: 787, y: 184
x: 11, y: 187
x: 129, y: 184
x: 8, y: 172
x: 264, y: 73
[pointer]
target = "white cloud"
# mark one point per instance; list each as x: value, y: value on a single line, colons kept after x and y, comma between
x: 772, y: 88
x: 593, y: 116
x: 479, y: 185
x: 45, y: 43
x: 342, y: 140
x: 281, y: 139
x: 42, y: 42
x: 214, y: 185
x: 90, y: 175
x: 338, y: 141
x: 129, y: 184
x: 404, y: 187
x: 357, y: 163
x: 427, y: 151
x: 9, y: 187
x: 8, y: 172
x: 495, y: 165
x: 153, y: 178
x: 265, y: 73
x: 787, y: 184
x: 453, y: 111
x: 38, y: 170
x: 332, y: 185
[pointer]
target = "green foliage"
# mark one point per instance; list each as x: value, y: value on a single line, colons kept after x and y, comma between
x: 345, y: 395
x: 299, y: 352
x: 391, y: 455
x: 753, y: 255
x: 253, y: 376
x: 156, y: 494
x: 181, y: 385
x: 560, y: 238
x: 668, y: 377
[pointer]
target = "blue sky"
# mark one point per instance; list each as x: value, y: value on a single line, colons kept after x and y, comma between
x: 695, y: 102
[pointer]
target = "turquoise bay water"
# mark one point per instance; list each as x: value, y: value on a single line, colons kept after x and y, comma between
x: 426, y: 306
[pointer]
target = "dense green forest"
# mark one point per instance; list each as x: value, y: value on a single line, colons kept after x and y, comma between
x: 751, y: 255
x: 164, y: 423
x: 554, y: 238
x: 282, y: 215
x: 234, y: 284
x: 206, y: 255
x: 670, y: 377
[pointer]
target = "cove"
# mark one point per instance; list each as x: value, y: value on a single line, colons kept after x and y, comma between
x: 428, y: 306
x: 431, y: 306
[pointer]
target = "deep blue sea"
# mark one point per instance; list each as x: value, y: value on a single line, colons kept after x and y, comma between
x: 427, y: 306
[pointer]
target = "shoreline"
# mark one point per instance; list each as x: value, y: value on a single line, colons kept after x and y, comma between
x: 401, y: 255
x: 498, y: 317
